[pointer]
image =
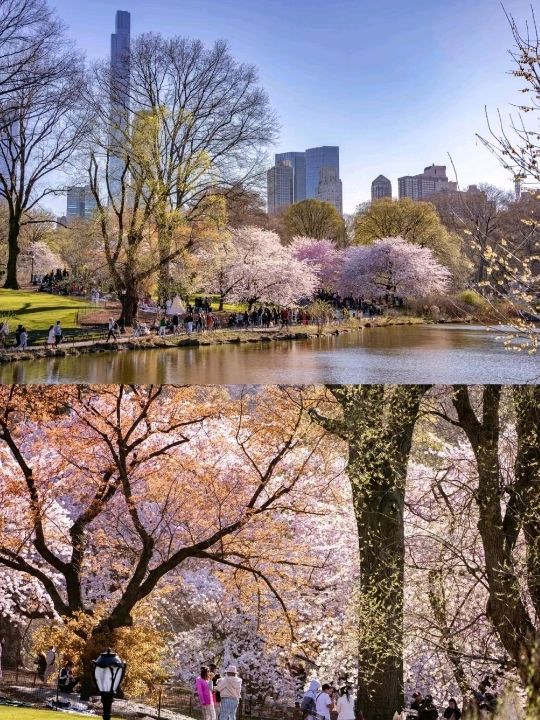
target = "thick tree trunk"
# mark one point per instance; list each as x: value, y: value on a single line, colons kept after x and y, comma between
x: 130, y: 303
x: 378, y: 425
x: 14, y: 229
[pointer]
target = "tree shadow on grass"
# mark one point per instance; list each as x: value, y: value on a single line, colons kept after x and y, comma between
x: 27, y: 309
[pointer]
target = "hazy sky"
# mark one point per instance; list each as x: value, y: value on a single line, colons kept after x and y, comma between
x: 397, y: 84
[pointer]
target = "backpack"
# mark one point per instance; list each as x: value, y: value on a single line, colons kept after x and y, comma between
x: 308, y: 705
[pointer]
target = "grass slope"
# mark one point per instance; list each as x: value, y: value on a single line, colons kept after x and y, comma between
x: 37, y: 311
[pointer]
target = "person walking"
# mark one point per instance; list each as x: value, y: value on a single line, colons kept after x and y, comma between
x: 452, y: 712
x: 203, y: 685
x: 308, y: 706
x: 41, y: 663
x: 345, y: 704
x: 50, y: 656
x: 230, y: 689
x: 50, y: 337
x: 4, y: 333
x: 112, y: 330
x: 58, y: 333
x: 23, y: 339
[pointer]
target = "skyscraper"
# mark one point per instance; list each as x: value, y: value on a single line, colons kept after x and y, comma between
x: 80, y: 203
x: 279, y: 184
x: 322, y: 175
x: 120, y: 88
x: 330, y: 187
x: 297, y: 161
x: 314, y: 175
x: 431, y: 181
x: 381, y: 187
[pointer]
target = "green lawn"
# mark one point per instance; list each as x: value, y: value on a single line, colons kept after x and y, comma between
x: 14, y: 713
x: 37, y: 310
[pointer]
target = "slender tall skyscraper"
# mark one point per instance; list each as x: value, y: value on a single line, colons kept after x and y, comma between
x: 120, y: 89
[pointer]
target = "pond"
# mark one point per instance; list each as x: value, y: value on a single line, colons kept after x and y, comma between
x: 445, y: 354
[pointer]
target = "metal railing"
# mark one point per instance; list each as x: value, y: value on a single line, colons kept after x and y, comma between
x: 164, y: 702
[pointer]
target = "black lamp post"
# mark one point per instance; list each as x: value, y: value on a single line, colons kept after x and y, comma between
x: 31, y: 254
x: 108, y: 671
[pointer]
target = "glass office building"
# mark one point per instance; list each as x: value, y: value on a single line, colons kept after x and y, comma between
x: 317, y: 159
x: 279, y: 182
x: 296, y: 161
x: 80, y: 203
x: 314, y: 175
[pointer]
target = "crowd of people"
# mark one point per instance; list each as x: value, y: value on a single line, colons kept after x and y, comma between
x: 326, y: 702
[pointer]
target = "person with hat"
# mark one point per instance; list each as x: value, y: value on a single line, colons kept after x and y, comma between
x: 230, y: 690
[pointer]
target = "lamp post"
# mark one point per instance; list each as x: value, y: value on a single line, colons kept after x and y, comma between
x: 31, y: 254
x: 108, y: 671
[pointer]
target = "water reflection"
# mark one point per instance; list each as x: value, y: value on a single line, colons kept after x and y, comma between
x: 399, y: 354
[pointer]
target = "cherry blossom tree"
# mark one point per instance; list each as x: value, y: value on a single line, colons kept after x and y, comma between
x: 392, y: 265
x: 253, y: 266
x: 156, y: 479
x: 323, y: 256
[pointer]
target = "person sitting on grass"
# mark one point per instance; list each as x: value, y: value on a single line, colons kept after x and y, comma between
x: 66, y: 678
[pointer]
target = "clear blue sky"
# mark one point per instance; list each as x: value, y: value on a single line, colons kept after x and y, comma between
x: 397, y: 84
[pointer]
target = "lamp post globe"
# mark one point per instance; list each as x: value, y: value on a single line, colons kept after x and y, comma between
x: 108, y: 670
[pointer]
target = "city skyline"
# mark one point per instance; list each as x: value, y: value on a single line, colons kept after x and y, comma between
x: 388, y: 119
x: 309, y: 175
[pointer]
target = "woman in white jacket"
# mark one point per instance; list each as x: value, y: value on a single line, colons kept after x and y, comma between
x: 345, y: 704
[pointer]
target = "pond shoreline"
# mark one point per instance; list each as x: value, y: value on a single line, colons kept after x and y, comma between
x: 204, y: 339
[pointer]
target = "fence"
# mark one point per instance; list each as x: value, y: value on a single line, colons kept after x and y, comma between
x: 165, y: 702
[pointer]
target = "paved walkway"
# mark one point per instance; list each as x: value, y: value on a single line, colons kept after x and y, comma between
x: 123, y: 339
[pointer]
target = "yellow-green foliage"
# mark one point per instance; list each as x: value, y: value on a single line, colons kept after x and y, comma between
x: 470, y: 297
x: 142, y: 646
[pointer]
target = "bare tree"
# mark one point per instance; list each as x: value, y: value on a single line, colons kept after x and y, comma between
x: 43, y: 124
x: 27, y: 29
x: 476, y: 214
x: 514, y: 143
x: 194, y: 127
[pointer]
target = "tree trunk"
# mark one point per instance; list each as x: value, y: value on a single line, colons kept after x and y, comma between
x: 129, y: 298
x: 11, y: 282
x: 378, y: 425
x: 506, y: 608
